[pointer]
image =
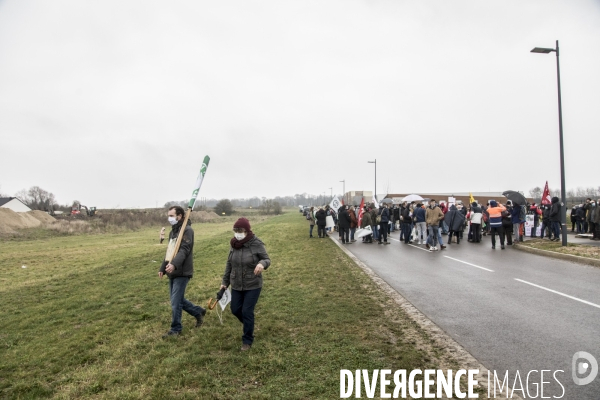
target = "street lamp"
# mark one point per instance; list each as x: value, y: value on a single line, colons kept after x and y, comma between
x: 374, y: 162
x: 563, y: 210
x: 344, y: 191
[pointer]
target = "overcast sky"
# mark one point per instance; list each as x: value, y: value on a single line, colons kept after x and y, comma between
x: 115, y: 103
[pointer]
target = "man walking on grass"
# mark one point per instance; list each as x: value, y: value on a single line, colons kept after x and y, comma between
x: 180, y: 271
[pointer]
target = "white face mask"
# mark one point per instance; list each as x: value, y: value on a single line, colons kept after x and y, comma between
x: 172, y: 220
x: 239, y: 236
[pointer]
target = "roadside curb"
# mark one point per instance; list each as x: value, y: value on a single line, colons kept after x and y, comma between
x: 553, y: 254
x: 452, y: 348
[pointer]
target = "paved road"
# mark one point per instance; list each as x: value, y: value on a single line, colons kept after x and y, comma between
x: 510, y: 309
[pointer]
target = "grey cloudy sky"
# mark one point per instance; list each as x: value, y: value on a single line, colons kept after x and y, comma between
x: 115, y: 103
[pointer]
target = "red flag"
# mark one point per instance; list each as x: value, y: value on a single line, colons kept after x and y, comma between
x: 546, y: 199
x: 361, y: 210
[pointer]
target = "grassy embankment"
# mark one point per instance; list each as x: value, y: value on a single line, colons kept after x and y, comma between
x: 576, y: 249
x: 85, y: 319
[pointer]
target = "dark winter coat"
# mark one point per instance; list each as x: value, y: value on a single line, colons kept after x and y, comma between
x: 555, y: 210
x: 385, y: 215
x: 516, y: 215
x: 184, y: 259
x: 366, y: 220
x: 455, y: 219
x: 321, y: 217
x: 419, y: 214
x: 239, y: 270
x: 344, y: 219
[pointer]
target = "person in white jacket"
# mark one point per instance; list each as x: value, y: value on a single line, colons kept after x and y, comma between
x: 475, y: 217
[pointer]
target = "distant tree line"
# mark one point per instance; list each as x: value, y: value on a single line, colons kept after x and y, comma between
x: 574, y: 196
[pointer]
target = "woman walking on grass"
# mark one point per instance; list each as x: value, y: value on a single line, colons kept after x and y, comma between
x: 243, y: 271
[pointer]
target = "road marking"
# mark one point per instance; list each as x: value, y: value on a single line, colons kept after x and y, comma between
x: 473, y: 265
x: 411, y: 245
x: 562, y: 294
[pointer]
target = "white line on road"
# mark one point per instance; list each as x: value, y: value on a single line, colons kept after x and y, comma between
x: 562, y: 294
x: 473, y: 265
x: 411, y: 245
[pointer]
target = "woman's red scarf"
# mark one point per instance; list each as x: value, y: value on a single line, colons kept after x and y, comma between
x: 238, y: 244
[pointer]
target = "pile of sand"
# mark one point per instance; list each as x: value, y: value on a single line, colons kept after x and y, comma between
x: 204, y: 216
x: 11, y: 221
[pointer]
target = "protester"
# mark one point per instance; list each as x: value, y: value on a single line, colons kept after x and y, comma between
x: 406, y: 221
x: 443, y: 224
x: 591, y: 217
x: 475, y: 217
x: 247, y: 260
x: 573, y: 217
x: 366, y: 221
x: 311, y: 221
x: 495, y: 219
x: 517, y: 215
x: 536, y: 218
x: 420, y: 223
x: 344, y: 221
x: 596, y: 217
x: 579, y: 218
x: 433, y: 216
x: 555, y: 218
x: 384, y: 214
x: 546, y: 223
x: 507, y: 226
x: 353, y: 223
x: 180, y: 270
x: 321, y: 217
x: 374, y: 223
x: 586, y: 217
x: 455, y: 220
x: 162, y: 235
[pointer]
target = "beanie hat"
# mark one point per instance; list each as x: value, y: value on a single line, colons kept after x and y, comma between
x: 474, y: 204
x: 243, y: 223
x: 493, y: 203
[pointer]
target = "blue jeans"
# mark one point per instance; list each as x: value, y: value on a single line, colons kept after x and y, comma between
x: 352, y: 231
x: 375, y: 229
x: 434, y: 235
x: 311, y: 229
x: 406, y: 230
x: 178, y: 302
x: 242, y: 306
x: 556, y: 229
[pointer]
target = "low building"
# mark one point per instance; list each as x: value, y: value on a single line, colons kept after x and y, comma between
x: 354, y: 197
x: 480, y: 197
x: 14, y: 204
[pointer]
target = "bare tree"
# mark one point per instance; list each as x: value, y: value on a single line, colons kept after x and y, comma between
x: 536, y: 193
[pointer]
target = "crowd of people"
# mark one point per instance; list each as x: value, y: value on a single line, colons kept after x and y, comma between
x: 585, y: 218
x: 424, y: 222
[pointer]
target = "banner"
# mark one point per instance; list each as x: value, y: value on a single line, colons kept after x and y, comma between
x: 363, y: 232
x: 471, y: 199
x: 329, y: 222
x: 546, y: 198
x: 335, y: 204
x: 361, y: 210
x: 529, y: 222
x: 225, y: 299
x: 375, y: 202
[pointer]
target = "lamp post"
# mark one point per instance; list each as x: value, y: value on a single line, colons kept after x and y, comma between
x: 331, y: 192
x: 344, y: 191
x: 374, y: 162
x: 563, y: 191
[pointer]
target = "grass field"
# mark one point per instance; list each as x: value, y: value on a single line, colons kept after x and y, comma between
x: 581, y: 250
x: 85, y: 319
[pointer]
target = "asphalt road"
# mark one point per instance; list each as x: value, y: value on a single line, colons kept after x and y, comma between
x: 510, y: 309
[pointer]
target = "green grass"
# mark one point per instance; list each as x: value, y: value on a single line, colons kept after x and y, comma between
x: 581, y: 250
x: 85, y: 319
